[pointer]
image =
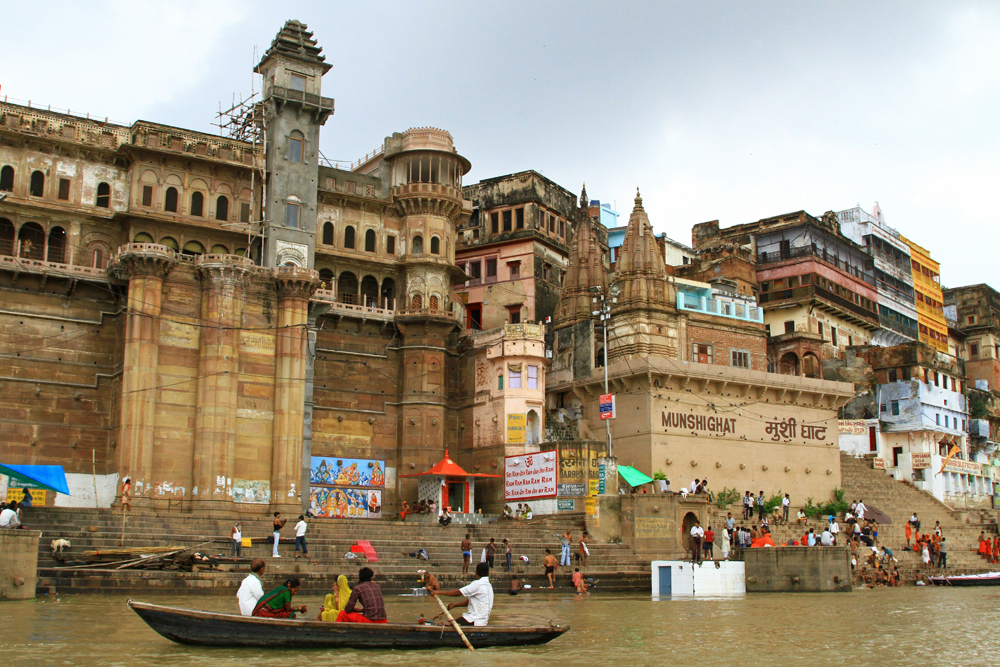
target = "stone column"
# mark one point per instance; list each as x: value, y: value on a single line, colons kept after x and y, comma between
x: 145, y: 266
x: 294, y: 286
x: 222, y: 279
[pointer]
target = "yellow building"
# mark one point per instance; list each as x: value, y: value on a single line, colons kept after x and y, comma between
x: 930, y: 300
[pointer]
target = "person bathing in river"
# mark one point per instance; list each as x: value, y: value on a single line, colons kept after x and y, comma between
x: 277, y: 602
x: 478, y: 598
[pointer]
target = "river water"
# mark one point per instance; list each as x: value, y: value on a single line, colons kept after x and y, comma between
x: 904, y: 626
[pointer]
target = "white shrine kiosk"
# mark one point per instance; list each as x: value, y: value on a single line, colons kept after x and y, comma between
x: 448, y: 485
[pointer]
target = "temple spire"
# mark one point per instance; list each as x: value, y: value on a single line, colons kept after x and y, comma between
x: 586, y: 267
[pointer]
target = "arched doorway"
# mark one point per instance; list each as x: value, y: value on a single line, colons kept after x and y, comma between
x: 689, y: 520
x: 788, y: 364
x: 388, y: 294
x: 369, y: 291
x: 347, y: 288
x: 811, y: 367
x: 6, y: 237
x: 326, y: 277
x: 57, y: 245
x: 534, y: 428
x: 32, y: 239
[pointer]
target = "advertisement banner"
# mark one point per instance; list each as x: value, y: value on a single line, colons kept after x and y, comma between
x: 594, y: 489
x: 572, y: 490
x: 964, y: 467
x: 565, y: 505
x: 15, y: 495
x: 345, y: 502
x: 516, y: 429
x: 852, y: 426
x: 920, y: 461
x: 337, y: 471
x: 530, y: 476
x: 607, y: 406
x: 602, y: 473
x: 590, y: 505
x: 878, y: 464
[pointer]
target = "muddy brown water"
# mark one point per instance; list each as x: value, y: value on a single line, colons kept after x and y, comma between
x: 905, y: 626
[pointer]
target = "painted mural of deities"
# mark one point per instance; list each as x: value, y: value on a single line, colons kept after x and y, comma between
x: 336, y: 488
x: 340, y: 503
x: 326, y: 470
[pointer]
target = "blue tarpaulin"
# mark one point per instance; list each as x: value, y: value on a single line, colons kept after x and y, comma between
x: 52, y: 478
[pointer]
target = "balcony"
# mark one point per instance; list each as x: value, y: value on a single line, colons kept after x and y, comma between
x: 369, y: 312
x: 51, y: 269
x: 898, y: 327
x: 841, y: 306
x: 729, y: 309
x: 766, y: 258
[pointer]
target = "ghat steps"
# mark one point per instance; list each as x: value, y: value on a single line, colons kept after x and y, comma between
x: 328, y: 542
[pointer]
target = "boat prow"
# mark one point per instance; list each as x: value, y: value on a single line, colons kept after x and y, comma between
x: 207, y: 628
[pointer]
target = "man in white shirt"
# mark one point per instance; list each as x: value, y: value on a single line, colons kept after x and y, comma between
x: 300, y: 537
x: 697, y: 535
x: 664, y: 486
x: 834, y: 529
x: 251, y: 589
x: 826, y: 539
x: 694, y: 486
x: 785, y: 503
x: 859, y: 511
x: 9, y: 518
x: 478, y: 598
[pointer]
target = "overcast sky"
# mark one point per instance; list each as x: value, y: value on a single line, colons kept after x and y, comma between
x: 729, y: 111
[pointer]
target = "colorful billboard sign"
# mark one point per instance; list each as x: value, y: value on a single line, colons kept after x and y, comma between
x: 528, y: 476
x: 338, y: 471
x: 516, y: 429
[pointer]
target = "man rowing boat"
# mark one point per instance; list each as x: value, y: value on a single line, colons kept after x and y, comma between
x: 478, y: 598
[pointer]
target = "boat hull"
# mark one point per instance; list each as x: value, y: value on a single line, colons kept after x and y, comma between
x: 201, y: 628
x: 966, y: 581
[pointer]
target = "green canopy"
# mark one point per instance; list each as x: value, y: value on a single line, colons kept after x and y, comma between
x: 632, y: 476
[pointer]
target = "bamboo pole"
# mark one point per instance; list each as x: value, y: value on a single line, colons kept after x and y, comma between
x: 454, y: 623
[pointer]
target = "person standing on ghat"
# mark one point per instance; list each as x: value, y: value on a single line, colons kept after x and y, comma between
x: 697, y: 533
x: 785, y: 504
x: 747, y: 505
x: 760, y: 505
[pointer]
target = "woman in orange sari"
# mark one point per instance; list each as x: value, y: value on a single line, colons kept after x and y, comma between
x: 984, y: 546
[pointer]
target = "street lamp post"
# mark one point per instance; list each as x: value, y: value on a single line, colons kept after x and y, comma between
x: 604, y: 315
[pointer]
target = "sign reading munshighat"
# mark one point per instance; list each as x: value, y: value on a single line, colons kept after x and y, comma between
x: 530, y: 476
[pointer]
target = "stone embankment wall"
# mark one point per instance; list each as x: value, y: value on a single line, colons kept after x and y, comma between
x: 798, y: 569
x: 18, y: 564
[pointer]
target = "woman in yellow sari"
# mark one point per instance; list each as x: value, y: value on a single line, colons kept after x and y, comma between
x: 335, y: 602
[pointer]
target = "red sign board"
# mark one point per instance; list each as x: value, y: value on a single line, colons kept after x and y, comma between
x: 529, y: 476
x: 607, y: 406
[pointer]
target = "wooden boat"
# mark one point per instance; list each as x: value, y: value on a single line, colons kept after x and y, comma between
x: 986, y: 579
x: 206, y: 628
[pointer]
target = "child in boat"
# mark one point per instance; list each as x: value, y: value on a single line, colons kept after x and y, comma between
x: 335, y: 601
x: 277, y: 603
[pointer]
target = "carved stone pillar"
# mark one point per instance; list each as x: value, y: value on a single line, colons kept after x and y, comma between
x: 222, y: 278
x: 294, y: 286
x: 145, y: 265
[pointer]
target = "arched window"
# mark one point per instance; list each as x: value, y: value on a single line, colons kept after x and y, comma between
x: 417, y: 302
x: 6, y: 237
x: 219, y: 250
x: 222, y: 208
x: 98, y: 258
x: 57, y: 245
x: 434, y: 302
x: 327, y: 233
x: 7, y: 178
x: 435, y: 245
x: 169, y: 242
x: 349, y: 237
x: 170, y: 200
x: 37, y: 188
x: 103, y: 195
x: 193, y: 248
x: 370, y: 240
x: 143, y: 237
x: 369, y: 292
x: 418, y: 245
x: 326, y: 277
x: 388, y: 294
x: 197, y: 204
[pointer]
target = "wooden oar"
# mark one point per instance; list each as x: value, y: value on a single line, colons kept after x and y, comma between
x: 454, y: 623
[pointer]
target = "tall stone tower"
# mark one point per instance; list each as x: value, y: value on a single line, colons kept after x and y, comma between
x: 585, y: 270
x: 294, y: 109
x: 644, y: 321
x: 425, y: 179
